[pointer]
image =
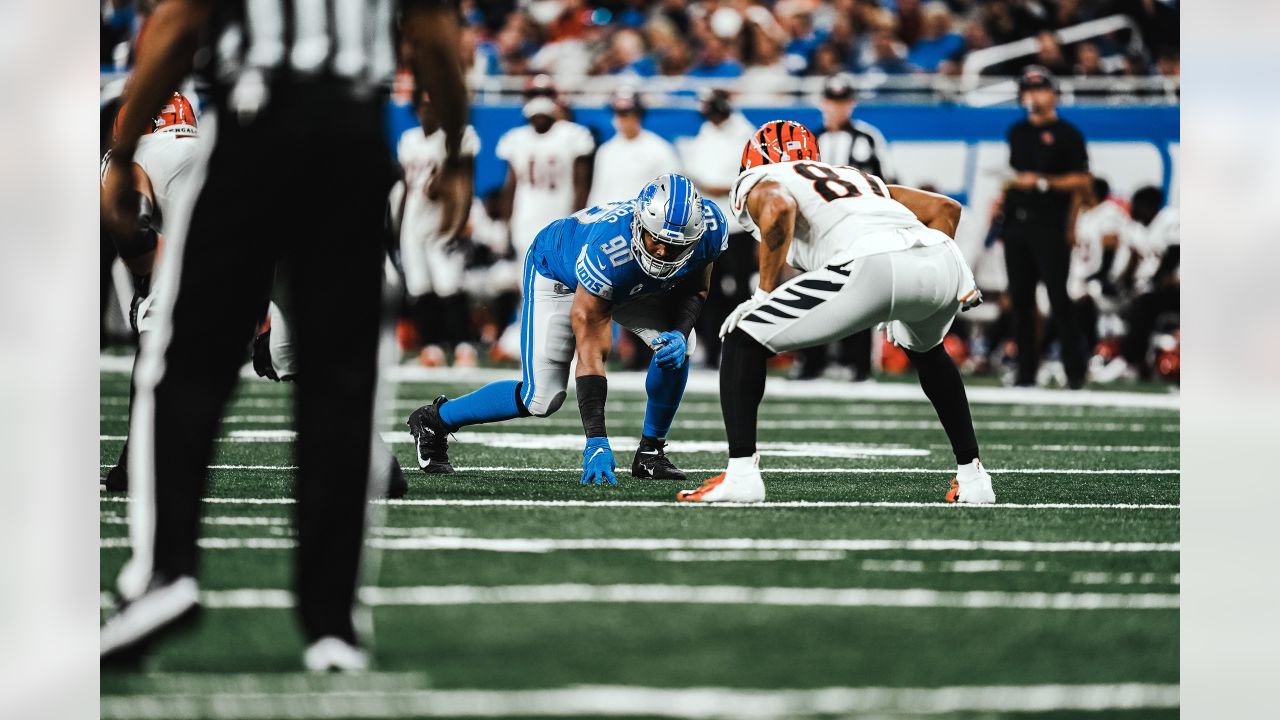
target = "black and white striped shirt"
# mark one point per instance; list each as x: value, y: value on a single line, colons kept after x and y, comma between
x: 254, y: 43
x: 858, y: 145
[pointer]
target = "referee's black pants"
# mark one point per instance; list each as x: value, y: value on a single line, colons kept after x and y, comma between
x: 305, y: 185
x: 1035, y: 254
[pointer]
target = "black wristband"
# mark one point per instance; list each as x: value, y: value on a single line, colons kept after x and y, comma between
x: 592, y: 390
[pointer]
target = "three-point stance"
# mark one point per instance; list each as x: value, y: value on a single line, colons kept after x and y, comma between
x: 645, y: 263
x: 868, y: 253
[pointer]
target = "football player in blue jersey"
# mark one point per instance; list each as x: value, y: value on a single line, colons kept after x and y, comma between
x: 645, y: 263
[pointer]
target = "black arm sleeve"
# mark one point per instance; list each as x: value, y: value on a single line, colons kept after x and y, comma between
x: 592, y: 390
x: 143, y: 239
x: 688, y: 308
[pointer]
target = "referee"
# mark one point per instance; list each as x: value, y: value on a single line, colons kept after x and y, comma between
x: 297, y: 178
x: 845, y: 141
x: 1051, y: 169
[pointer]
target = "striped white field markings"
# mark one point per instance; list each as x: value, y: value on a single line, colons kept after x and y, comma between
x: 766, y: 471
x: 245, y: 697
x: 707, y: 382
x: 540, y: 545
x: 655, y: 594
x: 634, y: 504
x: 923, y: 424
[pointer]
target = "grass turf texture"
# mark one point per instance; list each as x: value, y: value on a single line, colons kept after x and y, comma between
x: 693, y: 644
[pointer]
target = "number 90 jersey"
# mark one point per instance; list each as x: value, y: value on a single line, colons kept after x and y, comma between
x: 842, y: 213
x: 592, y: 248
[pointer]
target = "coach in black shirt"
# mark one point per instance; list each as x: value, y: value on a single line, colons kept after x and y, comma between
x: 846, y: 141
x: 1040, y: 206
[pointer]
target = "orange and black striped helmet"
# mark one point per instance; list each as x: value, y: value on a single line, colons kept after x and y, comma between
x: 779, y: 141
x: 176, y: 116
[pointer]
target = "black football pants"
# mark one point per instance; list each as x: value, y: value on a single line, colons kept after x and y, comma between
x: 304, y: 185
x: 1033, y: 254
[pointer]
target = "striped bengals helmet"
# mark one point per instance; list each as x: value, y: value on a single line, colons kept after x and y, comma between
x: 176, y: 116
x: 779, y: 141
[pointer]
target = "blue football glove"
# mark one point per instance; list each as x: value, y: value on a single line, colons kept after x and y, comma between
x: 671, y: 350
x: 598, y: 463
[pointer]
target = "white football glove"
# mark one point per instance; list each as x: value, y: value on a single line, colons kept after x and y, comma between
x: 746, y: 308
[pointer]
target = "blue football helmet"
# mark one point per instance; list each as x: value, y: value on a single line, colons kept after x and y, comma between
x: 671, y: 210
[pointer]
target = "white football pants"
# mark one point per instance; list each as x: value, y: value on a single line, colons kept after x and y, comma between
x: 916, y: 291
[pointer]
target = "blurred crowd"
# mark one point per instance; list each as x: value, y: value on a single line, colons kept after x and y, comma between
x: 759, y: 41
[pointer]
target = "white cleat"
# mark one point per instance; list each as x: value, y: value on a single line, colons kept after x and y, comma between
x: 741, y: 483
x: 971, y: 485
x: 331, y: 654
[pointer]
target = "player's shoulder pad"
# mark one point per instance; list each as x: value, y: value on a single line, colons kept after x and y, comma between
x: 716, y: 232
x: 742, y: 187
x: 592, y: 270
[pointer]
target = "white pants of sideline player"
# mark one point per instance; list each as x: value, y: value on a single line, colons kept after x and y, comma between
x: 548, y: 343
x: 914, y: 291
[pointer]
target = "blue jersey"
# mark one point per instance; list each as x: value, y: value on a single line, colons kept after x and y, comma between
x: 592, y: 248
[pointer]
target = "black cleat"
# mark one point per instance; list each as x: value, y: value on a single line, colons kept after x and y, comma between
x: 128, y: 634
x: 117, y: 480
x: 397, y: 486
x: 432, y: 438
x: 651, y: 462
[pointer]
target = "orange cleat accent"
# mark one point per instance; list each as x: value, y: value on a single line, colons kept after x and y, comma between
x: 954, y: 493
x: 696, y: 495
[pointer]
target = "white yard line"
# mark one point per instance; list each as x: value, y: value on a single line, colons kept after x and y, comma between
x: 708, y: 382
x: 625, y: 594
x: 768, y: 471
x: 765, y: 424
x: 631, y: 504
x: 626, y: 700
x: 547, y: 545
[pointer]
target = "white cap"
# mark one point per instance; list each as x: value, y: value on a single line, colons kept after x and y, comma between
x: 540, y: 105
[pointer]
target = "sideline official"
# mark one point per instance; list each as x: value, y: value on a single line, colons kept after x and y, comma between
x: 1051, y: 167
x: 297, y: 177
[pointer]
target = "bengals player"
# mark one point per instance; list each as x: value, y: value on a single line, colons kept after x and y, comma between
x: 868, y: 253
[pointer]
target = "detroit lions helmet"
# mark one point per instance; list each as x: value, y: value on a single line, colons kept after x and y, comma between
x: 671, y: 210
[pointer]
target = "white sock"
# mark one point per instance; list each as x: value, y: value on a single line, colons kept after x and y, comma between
x: 970, y: 471
x: 743, y: 464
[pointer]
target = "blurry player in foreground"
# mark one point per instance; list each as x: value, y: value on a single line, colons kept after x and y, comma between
x: 868, y: 253
x: 162, y: 165
x: 645, y: 263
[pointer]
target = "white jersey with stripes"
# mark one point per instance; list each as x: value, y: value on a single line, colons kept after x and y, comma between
x: 842, y: 213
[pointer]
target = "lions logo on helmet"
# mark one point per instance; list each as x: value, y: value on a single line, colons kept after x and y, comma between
x: 670, y: 209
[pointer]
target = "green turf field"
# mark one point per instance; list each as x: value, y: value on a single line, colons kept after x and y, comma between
x: 510, y: 590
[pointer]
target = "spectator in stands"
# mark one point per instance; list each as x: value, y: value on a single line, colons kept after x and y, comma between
x: 887, y: 55
x: 828, y: 59
x: 803, y: 38
x: 717, y: 61
x: 938, y: 42
x: 1066, y: 14
x: 1050, y: 55
x: 632, y: 157
x: 910, y: 21
x: 711, y: 160
x: 1168, y: 64
x: 1088, y: 61
x: 766, y: 77
x: 627, y: 55
x: 1155, y: 236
